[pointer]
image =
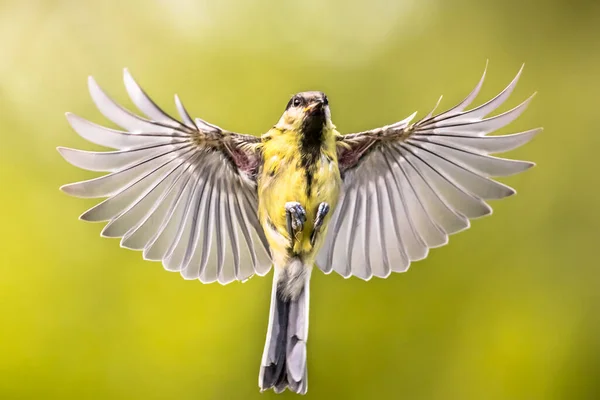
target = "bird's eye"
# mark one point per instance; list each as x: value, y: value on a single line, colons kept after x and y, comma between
x: 297, y: 101
x: 325, y: 101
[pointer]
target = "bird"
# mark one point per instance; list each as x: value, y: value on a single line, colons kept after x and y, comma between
x: 220, y: 206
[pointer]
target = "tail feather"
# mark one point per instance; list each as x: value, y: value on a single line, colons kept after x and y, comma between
x: 284, y: 359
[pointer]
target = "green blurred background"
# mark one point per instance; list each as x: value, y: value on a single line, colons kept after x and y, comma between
x: 508, y: 311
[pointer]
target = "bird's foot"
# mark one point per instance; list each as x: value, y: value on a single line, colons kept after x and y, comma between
x: 322, y: 212
x: 295, y: 218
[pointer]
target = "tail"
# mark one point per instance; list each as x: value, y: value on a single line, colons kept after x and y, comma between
x: 284, y: 359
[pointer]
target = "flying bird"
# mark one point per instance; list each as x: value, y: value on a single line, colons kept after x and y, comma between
x: 222, y: 206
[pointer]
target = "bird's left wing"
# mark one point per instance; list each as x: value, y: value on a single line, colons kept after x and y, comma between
x: 408, y: 186
x: 183, y: 192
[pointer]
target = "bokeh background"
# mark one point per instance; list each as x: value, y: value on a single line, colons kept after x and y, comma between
x: 509, y: 310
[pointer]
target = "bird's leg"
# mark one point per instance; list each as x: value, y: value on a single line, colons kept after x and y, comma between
x: 322, y: 212
x: 295, y: 217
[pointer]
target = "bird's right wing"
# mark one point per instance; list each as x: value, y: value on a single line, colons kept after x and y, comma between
x: 408, y: 186
x: 183, y: 192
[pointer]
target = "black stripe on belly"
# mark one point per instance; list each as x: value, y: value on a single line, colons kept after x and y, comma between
x: 308, y: 173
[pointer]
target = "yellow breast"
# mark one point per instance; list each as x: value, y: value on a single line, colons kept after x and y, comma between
x: 286, y: 178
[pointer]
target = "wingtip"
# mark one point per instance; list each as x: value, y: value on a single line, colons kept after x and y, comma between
x: 532, y: 133
x: 103, y: 235
x: 88, y: 216
x: 83, y: 217
x: 74, y: 189
x: 127, y: 76
x: 179, y: 105
x: 72, y: 119
x: 428, y: 116
x: 66, y: 189
x: 488, y: 211
x: 64, y: 152
x: 528, y: 100
x: 516, y: 78
x: 147, y: 257
x: 411, y: 117
x: 122, y: 243
x: 93, y: 87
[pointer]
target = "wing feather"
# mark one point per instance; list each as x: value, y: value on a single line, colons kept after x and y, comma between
x: 466, y: 102
x: 473, y: 182
x: 185, y: 116
x: 380, y: 259
x: 116, y: 139
x: 426, y: 227
x: 230, y: 269
x: 166, y: 234
x: 356, y: 263
x: 121, y: 116
x: 409, y: 186
x: 219, y: 222
x: 141, y: 234
x: 146, y: 105
x: 326, y: 257
x: 441, y: 213
x: 182, y: 192
x: 208, y: 263
x: 191, y: 267
x: 484, y: 144
x: 416, y: 248
x: 367, y: 230
x: 135, y: 213
x: 485, y: 165
x: 467, y: 125
x: 400, y: 260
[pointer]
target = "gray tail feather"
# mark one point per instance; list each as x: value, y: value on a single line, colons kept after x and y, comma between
x: 284, y: 359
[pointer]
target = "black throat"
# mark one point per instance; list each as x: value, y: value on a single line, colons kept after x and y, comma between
x: 311, y: 141
x: 311, y: 136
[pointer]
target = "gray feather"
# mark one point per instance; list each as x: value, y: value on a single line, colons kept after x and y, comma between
x: 283, y: 363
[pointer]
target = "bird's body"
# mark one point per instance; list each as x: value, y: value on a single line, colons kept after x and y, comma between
x: 293, y: 171
x: 299, y: 167
x: 221, y: 206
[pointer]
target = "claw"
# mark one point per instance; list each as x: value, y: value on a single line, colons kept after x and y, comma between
x: 322, y: 212
x: 295, y: 218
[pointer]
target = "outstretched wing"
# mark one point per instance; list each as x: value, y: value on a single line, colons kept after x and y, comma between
x: 182, y: 192
x: 408, y: 186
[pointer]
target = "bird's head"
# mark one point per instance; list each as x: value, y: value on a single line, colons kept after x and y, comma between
x: 306, y: 112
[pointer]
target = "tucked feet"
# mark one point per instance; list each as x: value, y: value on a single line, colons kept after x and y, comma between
x: 295, y: 217
x: 322, y: 212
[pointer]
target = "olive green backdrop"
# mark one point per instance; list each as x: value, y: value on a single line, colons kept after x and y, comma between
x: 509, y: 310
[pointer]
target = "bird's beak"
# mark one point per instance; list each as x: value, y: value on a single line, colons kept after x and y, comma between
x: 313, y: 106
